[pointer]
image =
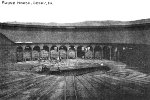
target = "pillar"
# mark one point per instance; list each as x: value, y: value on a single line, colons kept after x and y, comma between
x: 93, y: 46
x: 67, y: 51
x: 118, y: 54
x: 84, y: 50
x: 110, y: 47
x: 41, y: 47
x: 116, y: 49
x: 76, y: 46
x: 49, y: 54
x: 32, y: 46
x: 58, y: 50
x: 23, y: 52
x: 102, y: 51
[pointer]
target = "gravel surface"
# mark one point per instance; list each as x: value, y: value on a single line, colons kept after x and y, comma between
x: 119, y: 83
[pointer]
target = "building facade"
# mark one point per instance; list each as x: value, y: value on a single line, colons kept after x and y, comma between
x: 128, y: 43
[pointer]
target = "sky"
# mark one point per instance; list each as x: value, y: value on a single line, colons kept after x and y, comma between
x: 70, y: 11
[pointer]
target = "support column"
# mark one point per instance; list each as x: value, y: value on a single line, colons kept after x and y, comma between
x: 58, y: 50
x: 118, y: 54
x: 102, y: 51
x: 110, y: 47
x: 49, y: 54
x: 23, y: 47
x: 41, y: 47
x: 116, y: 49
x: 76, y: 51
x: 67, y: 53
x: 32, y: 46
x: 93, y: 46
x: 84, y: 50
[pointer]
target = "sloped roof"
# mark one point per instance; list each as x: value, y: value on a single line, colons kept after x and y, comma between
x: 67, y: 32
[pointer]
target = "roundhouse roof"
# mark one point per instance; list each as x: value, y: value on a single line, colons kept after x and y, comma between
x: 135, y: 32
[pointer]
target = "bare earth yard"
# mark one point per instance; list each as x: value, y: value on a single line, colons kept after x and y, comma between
x: 20, y: 82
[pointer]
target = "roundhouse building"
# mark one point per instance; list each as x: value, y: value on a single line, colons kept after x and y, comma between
x: 7, y: 51
x: 126, y: 42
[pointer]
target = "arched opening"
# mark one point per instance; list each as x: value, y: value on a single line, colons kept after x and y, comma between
x: 123, y: 55
x: 27, y: 53
x: 89, y: 52
x: 45, y: 52
x: 120, y: 54
x: 36, y: 53
x: 98, y: 52
x: 114, y: 53
x: 81, y: 52
x: 19, y: 54
x: 63, y: 52
x: 54, y: 52
x: 71, y: 52
x: 106, y: 52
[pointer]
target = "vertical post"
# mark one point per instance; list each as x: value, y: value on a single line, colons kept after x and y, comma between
x: 40, y: 55
x: 118, y: 56
x: 93, y: 46
x: 75, y: 51
x: 49, y: 54
x: 58, y: 50
x: 116, y: 53
x: 32, y: 46
x: 67, y: 53
x: 110, y: 52
x: 102, y: 51
x: 84, y: 51
x: 23, y: 52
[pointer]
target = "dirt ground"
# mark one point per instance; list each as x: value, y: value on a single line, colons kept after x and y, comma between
x: 19, y: 82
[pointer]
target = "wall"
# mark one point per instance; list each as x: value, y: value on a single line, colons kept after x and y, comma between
x: 82, y: 35
x: 7, y: 51
x: 138, y: 38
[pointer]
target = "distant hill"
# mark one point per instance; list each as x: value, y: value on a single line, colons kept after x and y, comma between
x: 87, y: 23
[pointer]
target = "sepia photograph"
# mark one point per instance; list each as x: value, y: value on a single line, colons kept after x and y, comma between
x: 74, y: 50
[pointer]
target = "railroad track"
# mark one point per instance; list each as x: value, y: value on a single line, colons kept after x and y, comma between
x: 93, y: 85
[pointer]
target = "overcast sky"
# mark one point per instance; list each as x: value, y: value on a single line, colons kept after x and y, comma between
x: 68, y: 11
